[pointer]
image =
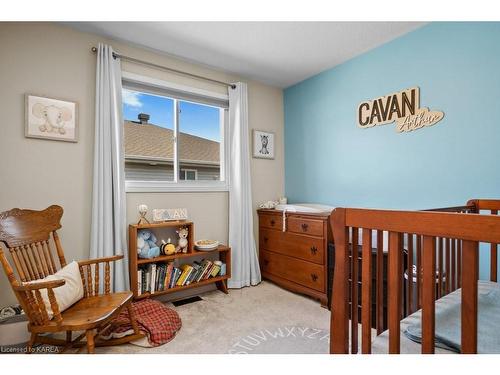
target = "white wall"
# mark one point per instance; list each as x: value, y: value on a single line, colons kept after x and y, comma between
x: 54, y: 60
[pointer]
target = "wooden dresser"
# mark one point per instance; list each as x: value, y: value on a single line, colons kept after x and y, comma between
x: 295, y: 259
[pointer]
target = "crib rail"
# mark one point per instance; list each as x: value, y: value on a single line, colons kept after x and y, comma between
x: 444, y: 244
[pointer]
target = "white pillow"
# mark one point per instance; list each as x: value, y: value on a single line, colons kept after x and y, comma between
x: 68, y: 294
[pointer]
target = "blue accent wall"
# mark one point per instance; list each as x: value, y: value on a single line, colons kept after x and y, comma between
x: 329, y: 160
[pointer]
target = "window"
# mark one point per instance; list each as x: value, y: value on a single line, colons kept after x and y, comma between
x: 173, y: 138
x: 189, y: 174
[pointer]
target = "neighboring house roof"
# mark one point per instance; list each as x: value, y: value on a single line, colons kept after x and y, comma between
x: 151, y: 142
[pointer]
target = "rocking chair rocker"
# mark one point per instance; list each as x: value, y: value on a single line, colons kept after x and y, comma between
x: 26, y: 234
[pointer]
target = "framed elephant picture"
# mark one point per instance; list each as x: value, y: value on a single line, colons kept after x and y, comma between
x: 49, y: 118
x: 263, y: 144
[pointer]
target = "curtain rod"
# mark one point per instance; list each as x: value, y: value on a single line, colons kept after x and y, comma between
x: 161, y: 67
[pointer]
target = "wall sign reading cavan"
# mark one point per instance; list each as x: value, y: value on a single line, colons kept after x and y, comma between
x: 402, y: 107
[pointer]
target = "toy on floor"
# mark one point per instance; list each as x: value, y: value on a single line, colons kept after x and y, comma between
x: 146, y: 245
x: 182, y: 245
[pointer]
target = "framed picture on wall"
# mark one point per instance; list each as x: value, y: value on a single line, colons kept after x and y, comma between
x: 263, y: 144
x: 49, y: 118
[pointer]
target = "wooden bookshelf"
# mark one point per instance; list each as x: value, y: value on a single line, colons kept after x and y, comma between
x: 223, y: 252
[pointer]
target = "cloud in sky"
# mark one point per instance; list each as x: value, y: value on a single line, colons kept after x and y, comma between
x: 131, y: 98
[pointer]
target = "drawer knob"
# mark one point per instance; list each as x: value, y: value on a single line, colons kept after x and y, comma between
x: 266, y: 262
x: 314, y: 277
x: 266, y: 239
x: 305, y: 226
x: 313, y: 250
x: 272, y: 222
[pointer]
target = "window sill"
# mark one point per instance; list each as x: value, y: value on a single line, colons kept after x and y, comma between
x: 172, y: 187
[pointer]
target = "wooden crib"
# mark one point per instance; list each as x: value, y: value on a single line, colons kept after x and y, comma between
x: 443, y: 242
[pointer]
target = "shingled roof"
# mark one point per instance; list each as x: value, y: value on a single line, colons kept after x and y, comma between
x: 143, y: 141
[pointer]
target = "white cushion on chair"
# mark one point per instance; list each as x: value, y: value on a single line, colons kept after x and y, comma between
x: 67, y: 294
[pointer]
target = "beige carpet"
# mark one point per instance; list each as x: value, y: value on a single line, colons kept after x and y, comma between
x: 260, y: 319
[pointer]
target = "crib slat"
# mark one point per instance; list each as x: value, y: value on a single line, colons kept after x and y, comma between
x: 354, y: 291
x: 409, y: 301
x: 448, y: 265
x: 428, y: 295
x: 470, y: 274
x: 366, y: 292
x: 440, y: 266
x: 459, y: 264
x: 419, y: 272
x: 395, y: 282
x: 494, y: 257
x: 380, y: 282
x: 453, y: 265
x: 494, y: 263
x: 401, y: 273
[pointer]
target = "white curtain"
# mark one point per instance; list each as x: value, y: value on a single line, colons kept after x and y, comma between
x: 108, y: 231
x: 245, y: 264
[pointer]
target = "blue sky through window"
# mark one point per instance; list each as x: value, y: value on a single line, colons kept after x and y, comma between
x: 195, y: 119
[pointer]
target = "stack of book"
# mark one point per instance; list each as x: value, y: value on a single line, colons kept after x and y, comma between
x: 157, y: 277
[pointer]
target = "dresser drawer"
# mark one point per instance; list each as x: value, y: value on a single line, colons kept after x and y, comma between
x: 304, y: 273
x: 305, y: 226
x: 307, y: 248
x: 271, y: 221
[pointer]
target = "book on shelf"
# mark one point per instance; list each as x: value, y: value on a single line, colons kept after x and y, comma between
x: 186, y: 270
x: 158, y: 277
x: 148, y: 279
x: 191, y: 278
x: 175, y: 277
x: 204, y: 264
x: 152, y: 274
x: 139, y: 282
x: 168, y: 275
x: 197, y: 269
x: 215, y: 270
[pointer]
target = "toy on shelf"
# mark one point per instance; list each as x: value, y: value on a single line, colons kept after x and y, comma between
x: 167, y: 248
x: 182, y: 245
x: 146, y: 245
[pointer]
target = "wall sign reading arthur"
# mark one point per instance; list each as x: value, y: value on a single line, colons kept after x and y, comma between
x: 401, y: 107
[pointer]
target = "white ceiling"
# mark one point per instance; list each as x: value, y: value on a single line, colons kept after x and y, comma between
x: 276, y: 53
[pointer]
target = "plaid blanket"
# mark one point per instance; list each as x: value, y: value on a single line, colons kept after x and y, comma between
x: 157, y: 321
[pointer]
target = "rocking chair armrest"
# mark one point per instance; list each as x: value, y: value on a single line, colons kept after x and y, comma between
x: 100, y: 260
x: 39, y: 285
x: 36, y: 308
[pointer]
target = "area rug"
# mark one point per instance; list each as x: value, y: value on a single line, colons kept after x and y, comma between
x: 283, y: 340
x: 217, y: 323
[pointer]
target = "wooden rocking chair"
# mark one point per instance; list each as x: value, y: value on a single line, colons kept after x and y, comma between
x: 27, y: 236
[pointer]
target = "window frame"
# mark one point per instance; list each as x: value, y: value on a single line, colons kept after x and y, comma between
x: 178, y: 185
